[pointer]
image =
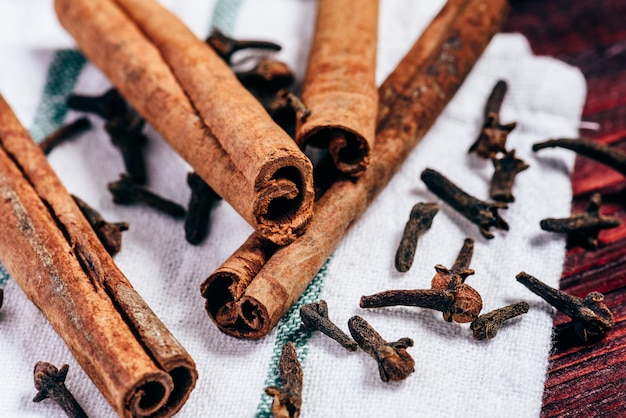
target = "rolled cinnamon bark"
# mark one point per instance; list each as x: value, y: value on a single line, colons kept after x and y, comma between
x: 233, y: 145
x: 417, y: 57
x: 55, y: 257
x: 276, y: 285
x: 339, y: 87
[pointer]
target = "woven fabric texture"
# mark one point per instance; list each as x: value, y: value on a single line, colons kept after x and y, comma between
x: 455, y: 375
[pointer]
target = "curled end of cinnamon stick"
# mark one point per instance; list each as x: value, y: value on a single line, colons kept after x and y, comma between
x: 183, y: 373
x: 148, y: 395
x: 349, y: 150
x: 284, y: 199
x: 224, y: 289
x: 241, y: 317
x: 161, y: 394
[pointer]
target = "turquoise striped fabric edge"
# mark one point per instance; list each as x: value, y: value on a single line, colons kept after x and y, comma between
x: 225, y: 15
x: 63, y: 72
x: 62, y: 75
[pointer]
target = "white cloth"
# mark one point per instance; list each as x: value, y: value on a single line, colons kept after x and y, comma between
x: 455, y: 375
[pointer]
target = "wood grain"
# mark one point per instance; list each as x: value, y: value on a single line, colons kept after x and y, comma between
x: 589, y: 380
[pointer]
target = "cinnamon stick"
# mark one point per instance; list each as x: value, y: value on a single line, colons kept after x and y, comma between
x: 339, y: 87
x: 55, y: 257
x: 181, y: 87
x: 276, y: 285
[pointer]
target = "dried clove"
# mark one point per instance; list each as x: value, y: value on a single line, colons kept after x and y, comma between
x: 108, y: 106
x: 486, y: 326
x: 582, y: 229
x: 125, y: 192
x: 64, y: 133
x: 468, y: 302
x: 286, y: 109
x: 420, y: 220
x: 394, y: 363
x: 199, y: 209
x: 268, y: 76
x: 286, y: 101
x: 506, y: 168
x: 110, y: 234
x: 226, y: 46
x: 483, y: 214
x: 449, y: 293
x: 126, y: 135
x: 604, y: 154
x: 493, y: 134
x: 288, y: 399
x: 50, y: 383
x: 591, y: 318
x: 315, y: 317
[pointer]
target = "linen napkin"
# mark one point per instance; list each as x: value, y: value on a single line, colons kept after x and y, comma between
x: 454, y: 374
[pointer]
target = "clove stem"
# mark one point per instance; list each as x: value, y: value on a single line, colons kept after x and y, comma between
x: 590, y: 316
x: 483, y: 214
x: 420, y: 221
x: 315, y: 317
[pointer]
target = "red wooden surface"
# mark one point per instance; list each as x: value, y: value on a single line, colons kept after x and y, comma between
x: 589, y: 380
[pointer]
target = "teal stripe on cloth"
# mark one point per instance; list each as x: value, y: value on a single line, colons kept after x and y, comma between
x: 290, y: 330
x: 62, y: 75
x: 225, y: 15
x: 4, y: 276
x: 60, y: 80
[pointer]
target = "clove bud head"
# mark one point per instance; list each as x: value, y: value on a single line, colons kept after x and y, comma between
x: 466, y: 306
x: 395, y: 363
x: 595, y: 318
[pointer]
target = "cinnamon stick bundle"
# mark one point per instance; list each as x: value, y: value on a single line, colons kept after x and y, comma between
x: 55, y: 257
x: 339, y: 87
x: 453, y: 42
x: 190, y: 96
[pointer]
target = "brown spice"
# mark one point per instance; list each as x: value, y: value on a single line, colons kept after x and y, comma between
x: 315, y: 317
x: 449, y: 293
x: 245, y: 157
x: 225, y: 46
x: 109, y: 105
x: 199, y: 209
x: 582, y: 229
x: 50, y: 383
x: 127, y: 136
x: 339, y: 86
x: 486, y: 326
x: 54, y: 256
x: 266, y: 77
x: 482, y: 214
x: 493, y: 134
x: 591, y: 318
x: 605, y: 154
x: 110, y: 234
x: 458, y: 301
x: 420, y: 220
x: 506, y: 168
x: 125, y: 192
x: 288, y: 398
x: 259, y: 148
x: 266, y: 290
x: 394, y: 363
x: 64, y: 133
